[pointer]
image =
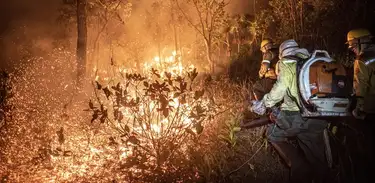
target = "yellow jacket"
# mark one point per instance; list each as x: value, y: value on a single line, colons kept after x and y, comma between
x: 267, y: 68
x: 364, y: 81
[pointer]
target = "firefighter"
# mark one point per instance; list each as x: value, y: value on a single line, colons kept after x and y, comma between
x: 267, y: 74
x: 311, y: 163
x: 360, y: 41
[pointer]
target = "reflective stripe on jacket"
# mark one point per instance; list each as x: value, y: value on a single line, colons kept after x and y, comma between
x: 267, y: 68
x: 285, y: 88
x: 364, y: 81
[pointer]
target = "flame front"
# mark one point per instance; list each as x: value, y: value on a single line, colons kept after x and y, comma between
x: 156, y: 128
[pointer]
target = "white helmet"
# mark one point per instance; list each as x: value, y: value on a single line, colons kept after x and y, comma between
x: 287, y: 46
x: 291, y: 47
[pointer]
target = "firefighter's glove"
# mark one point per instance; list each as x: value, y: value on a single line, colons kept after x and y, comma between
x: 358, y: 113
x: 258, y: 107
x: 263, y: 70
x: 275, y: 111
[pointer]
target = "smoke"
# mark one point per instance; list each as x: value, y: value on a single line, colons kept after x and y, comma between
x: 241, y: 6
x: 27, y: 28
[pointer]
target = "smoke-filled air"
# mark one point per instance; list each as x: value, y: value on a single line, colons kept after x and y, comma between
x: 150, y: 90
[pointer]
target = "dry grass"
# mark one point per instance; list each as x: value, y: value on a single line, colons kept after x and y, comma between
x: 34, y: 149
x: 247, y: 157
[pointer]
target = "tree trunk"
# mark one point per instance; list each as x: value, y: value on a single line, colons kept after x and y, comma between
x: 81, y: 40
x: 229, y: 49
x: 209, y: 57
x: 174, y: 28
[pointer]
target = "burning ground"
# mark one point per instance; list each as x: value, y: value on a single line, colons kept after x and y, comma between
x: 164, y: 91
x: 168, y: 125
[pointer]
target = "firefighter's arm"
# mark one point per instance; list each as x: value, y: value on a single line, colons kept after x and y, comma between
x: 278, y: 90
x: 361, y: 82
x: 263, y: 69
x: 265, y: 65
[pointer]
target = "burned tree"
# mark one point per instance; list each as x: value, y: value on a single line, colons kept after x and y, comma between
x: 209, y: 17
x: 81, y: 39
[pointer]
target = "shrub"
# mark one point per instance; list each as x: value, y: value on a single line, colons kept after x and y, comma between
x: 154, y: 119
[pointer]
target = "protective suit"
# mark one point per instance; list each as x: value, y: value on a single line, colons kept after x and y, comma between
x: 285, y: 87
x: 360, y: 42
x: 364, y: 81
x: 267, y: 68
x: 267, y: 73
x: 308, y: 161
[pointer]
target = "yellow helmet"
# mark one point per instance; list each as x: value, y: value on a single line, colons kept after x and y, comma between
x: 357, y: 34
x: 265, y: 42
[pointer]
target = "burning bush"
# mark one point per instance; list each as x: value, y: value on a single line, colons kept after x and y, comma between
x: 154, y: 118
x: 155, y: 127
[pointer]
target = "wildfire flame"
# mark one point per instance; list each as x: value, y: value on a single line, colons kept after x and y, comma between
x: 86, y: 151
x: 166, y: 64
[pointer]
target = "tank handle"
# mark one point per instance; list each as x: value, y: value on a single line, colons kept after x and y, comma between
x: 320, y: 51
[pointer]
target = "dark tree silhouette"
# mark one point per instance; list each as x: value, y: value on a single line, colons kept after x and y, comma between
x: 81, y: 39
